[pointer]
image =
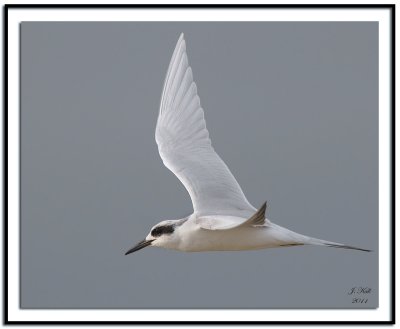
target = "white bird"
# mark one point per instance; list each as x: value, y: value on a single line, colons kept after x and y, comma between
x: 223, y: 219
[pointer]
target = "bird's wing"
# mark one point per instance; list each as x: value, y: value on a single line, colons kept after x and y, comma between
x: 218, y: 223
x: 185, y: 146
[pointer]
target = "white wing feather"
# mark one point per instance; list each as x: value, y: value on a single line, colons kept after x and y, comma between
x: 217, y: 222
x: 185, y: 146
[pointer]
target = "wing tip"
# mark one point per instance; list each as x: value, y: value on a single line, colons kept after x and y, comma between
x: 180, y: 46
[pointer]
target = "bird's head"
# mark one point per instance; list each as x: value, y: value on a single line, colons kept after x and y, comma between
x: 164, y: 235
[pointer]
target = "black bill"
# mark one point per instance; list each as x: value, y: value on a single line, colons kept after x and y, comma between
x: 139, y: 246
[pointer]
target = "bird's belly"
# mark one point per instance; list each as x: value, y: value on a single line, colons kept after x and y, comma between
x: 245, y: 238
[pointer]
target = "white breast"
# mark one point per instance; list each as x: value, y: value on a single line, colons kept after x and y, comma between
x: 195, y: 238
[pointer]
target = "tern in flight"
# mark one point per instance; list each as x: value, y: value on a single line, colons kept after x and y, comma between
x: 222, y: 219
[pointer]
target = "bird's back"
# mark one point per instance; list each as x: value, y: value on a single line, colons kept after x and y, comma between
x: 195, y: 238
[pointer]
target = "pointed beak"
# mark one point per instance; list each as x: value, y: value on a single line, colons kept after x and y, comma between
x: 139, y: 246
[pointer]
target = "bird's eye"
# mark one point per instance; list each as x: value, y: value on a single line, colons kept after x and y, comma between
x: 160, y: 230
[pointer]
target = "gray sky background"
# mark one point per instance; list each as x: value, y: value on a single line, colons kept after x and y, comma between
x: 292, y: 108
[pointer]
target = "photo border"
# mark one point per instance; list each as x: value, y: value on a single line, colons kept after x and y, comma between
x: 8, y: 7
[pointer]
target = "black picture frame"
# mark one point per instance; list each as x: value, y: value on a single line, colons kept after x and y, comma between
x: 8, y: 7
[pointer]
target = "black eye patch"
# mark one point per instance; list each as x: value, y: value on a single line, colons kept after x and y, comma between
x: 160, y: 230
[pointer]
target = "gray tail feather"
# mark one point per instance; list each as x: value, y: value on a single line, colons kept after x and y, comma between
x: 345, y: 247
x: 335, y: 245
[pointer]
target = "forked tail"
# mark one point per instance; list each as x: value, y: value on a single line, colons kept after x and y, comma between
x: 318, y: 242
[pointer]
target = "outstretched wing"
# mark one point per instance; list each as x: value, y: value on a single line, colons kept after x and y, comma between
x: 185, y: 146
